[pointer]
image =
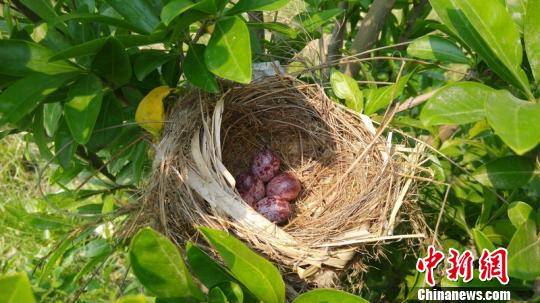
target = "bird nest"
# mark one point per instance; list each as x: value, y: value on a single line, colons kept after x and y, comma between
x: 356, y: 185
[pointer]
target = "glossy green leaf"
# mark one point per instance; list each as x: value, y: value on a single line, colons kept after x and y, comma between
x: 506, y: 173
x: 517, y: 9
x: 438, y: 49
x: 216, y: 295
x: 42, y: 8
x: 481, y: 241
x: 345, y: 87
x: 532, y: 38
x: 20, y: 58
x: 514, y: 120
x: 16, y: 288
x: 328, y: 296
x: 524, y: 252
x: 490, y: 31
x: 195, y: 70
x: 519, y: 212
x: 148, y: 61
x: 91, y: 17
x: 24, y: 95
x: 211, y: 7
x: 174, y: 8
x: 313, y: 21
x: 139, y: 13
x: 64, y: 145
x: 112, y: 63
x: 82, y: 107
x: 94, y: 46
x: 277, y: 27
x: 39, y: 134
x: 380, y: 98
x: 228, y: 54
x: 257, y: 274
x: 51, y: 116
x: 499, y: 232
x: 458, y: 103
x: 256, y: 5
x: 232, y: 291
x: 132, y: 299
x: 206, y: 269
x: 108, y: 126
x: 160, y: 268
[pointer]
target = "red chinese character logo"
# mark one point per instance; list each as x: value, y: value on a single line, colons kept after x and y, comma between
x: 460, y: 265
x: 494, y: 265
x: 429, y: 263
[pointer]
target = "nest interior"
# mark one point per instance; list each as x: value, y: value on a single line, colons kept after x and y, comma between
x: 354, y: 184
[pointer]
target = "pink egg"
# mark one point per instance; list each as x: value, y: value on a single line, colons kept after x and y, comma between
x: 284, y: 186
x: 248, y: 184
x: 265, y: 165
x: 276, y: 210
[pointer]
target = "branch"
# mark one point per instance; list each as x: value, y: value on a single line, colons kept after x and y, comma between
x: 95, y: 161
x: 25, y: 11
x: 369, y: 31
x: 418, y: 8
x: 415, y: 101
x: 336, y: 40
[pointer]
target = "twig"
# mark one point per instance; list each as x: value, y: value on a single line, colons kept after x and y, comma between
x: 369, y: 30
x: 415, y: 101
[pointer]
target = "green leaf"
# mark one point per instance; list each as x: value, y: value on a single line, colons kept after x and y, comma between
x: 132, y: 299
x: 16, y: 288
x: 313, y: 21
x: 458, y: 103
x: 256, y: 5
x: 206, y: 269
x: 211, y: 7
x: 488, y: 29
x: 42, y: 8
x: 381, y: 97
x: 481, y: 241
x: 277, y: 27
x: 91, y: 17
x: 174, y: 9
x: 20, y: 58
x: 25, y: 94
x: 232, y: 291
x: 64, y: 146
x: 517, y: 9
x: 532, y: 39
x: 258, y: 275
x: 328, y: 296
x: 112, y: 62
x: 216, y: 295
x: 505, y: 173
x: 82, y: 107
x: 345, y: 87
x: 160, y: 268
x: 147, y: 61
x: 195, y: 70
x: 139, y: 13
x: 524, y: 252
x: 51, y: 116
x: 514, y: 120
x: 519, y: 212
x: 94, y: 46
x: 228, y: 54
x: 108, y: 126
x: 438, y: 49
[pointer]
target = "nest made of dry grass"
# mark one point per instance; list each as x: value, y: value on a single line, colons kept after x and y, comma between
x: 356, y: 185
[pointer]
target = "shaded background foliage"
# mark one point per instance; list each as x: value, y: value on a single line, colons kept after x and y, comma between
x: 461, y: 75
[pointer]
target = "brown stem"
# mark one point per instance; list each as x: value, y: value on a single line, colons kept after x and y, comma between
x: 369, y: 31
x: 96, y: 162
x: 418, y: 7
x: 336, y: 40
x: 257, y: 17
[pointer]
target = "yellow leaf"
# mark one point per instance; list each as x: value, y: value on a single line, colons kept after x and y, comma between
x: 150, y: 113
